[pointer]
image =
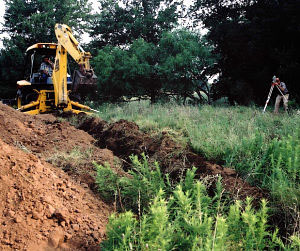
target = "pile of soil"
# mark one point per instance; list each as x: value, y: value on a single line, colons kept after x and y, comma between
x: 42, y: 134
x: 124, y: 138
x: 47, y: 136
x: 41, y: 206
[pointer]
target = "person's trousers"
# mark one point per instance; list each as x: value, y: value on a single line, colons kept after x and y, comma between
x: 285, y: 99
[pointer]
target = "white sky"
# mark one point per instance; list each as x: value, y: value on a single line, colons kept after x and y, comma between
x: 95, y: 4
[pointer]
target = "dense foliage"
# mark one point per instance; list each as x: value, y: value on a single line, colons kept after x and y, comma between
x: 256, y: 40
x: 122, y: 22
x: 179, y: 64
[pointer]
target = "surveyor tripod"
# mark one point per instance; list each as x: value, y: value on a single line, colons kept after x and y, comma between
x: 270, y: 94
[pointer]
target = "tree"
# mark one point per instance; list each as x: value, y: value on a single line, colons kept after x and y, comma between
x: 177, y: 65
x: 31, y: 21
x: 186, y: 63
x: 126, y: 72
x: 34, y: 20
x: 122, y: 22
x: 255, y: 40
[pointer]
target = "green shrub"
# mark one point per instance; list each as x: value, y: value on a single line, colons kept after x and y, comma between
x: 188, y: 219
x: 121, y: 231
x: 275, y: 166
x: 107, y: 182
x: 133, y: 191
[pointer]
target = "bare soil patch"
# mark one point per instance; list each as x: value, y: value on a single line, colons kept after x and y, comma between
x: 41, y: 206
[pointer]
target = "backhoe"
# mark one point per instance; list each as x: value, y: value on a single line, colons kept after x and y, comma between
x: 58, y: 92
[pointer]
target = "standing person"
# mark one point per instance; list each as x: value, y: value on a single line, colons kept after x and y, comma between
x: 46, y: 69
x: 284, y: 97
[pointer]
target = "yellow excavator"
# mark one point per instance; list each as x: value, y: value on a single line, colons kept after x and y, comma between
x: 57, y: 92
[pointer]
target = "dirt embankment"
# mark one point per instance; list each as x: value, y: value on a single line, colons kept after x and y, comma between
x: 41, y: 205
x: 53, y: 140
x: 43, y: 208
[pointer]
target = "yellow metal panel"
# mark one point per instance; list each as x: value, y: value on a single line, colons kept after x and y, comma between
x: 33, y: 112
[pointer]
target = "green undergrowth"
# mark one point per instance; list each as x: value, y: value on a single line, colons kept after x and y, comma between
x: 156, y: 215
x: 141, y: 186
x: 262, y: 147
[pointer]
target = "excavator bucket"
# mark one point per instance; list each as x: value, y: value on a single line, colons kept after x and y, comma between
x: 83, y: 84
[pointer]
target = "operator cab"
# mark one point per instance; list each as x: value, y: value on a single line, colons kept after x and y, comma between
x: 34, y: 58
x: 34, y: 82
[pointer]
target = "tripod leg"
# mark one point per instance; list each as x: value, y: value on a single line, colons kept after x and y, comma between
x: 281, y: 93
x: 269, y: 96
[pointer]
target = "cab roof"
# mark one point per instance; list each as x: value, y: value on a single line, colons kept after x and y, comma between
x: 42, y: 48
x: 51, y: 46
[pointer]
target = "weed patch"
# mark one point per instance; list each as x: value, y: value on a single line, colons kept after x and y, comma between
x: 183, y: 217
x: 263, y: 148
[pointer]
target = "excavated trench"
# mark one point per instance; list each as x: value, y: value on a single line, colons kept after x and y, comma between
x: 45, y: 206
x: 124, y: 138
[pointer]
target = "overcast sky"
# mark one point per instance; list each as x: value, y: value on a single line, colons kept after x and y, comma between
x: 95, y: 4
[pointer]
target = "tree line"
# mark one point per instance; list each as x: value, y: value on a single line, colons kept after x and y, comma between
x: 143, y: 48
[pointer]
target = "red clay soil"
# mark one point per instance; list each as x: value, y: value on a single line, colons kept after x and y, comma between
x: 46, y: 136
x: 42, y: 208
x: 40, y: 134
x: 124, y: 138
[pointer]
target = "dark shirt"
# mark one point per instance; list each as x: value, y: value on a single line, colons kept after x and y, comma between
x: 285, y: 90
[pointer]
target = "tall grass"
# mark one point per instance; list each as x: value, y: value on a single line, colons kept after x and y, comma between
x: 257, y: 145
x: 212, y: 131
x: 184, y: 217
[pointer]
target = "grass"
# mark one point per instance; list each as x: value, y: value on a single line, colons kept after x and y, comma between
x: 212, y: 131
x: 264, y: 148
x: 183, y: 217
x: 73, y: 160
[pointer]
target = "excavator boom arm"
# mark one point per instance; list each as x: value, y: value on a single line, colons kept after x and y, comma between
x: 65, y: 37
x: 67, y: 44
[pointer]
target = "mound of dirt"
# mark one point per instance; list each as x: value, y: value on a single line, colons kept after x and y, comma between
x: 42, y: 207
x: 124, y: 138
x: 53, y: 140
x: 42, y: 134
